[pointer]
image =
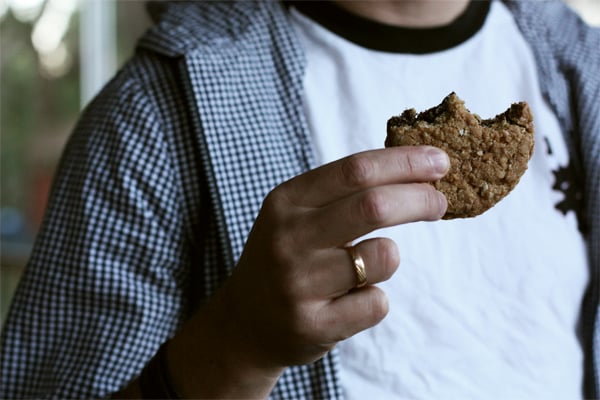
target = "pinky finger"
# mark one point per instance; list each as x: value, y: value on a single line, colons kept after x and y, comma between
x: 354, y: 312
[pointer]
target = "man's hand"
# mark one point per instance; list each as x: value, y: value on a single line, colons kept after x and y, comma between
x: 292, y: 291
x: 292, y: 296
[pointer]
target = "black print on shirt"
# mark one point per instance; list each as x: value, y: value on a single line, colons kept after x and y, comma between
x: 566, y: 182
x: 548, y: 147
x: 563, y: 183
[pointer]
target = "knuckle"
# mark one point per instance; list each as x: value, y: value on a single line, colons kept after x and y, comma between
x: 291, y: 266
x: 357, y: 170
x: 304, y: 324
x: 287, y: 254
x: 275, y: 199
x: 299, y: 284
x: 290, y: 301
x: 278, y: 223
x: 373, y: 207
x: 411, y: 162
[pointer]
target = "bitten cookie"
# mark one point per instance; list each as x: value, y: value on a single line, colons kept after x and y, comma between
x: 487, y: 157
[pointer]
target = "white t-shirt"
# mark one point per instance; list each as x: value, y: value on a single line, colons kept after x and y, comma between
x: 480, y: 308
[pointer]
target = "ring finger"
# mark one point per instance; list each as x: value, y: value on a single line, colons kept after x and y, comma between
x: 334, y: 273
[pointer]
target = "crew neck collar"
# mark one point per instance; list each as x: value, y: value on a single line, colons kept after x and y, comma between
x: 378, y: 36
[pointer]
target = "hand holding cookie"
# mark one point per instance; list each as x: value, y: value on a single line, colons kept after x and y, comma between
x: 296, y: 290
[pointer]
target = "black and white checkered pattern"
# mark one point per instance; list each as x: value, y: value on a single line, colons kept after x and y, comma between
x: 165, y: 173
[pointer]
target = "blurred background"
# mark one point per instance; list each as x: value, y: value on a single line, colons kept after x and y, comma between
x: 54, y: 56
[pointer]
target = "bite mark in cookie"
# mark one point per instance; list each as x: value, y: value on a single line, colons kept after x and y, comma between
x: 487, y: 156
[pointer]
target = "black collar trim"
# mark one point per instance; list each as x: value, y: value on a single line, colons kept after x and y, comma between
x: 388, y: 38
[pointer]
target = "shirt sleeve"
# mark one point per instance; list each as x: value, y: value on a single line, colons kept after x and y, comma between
x: 105, y: 284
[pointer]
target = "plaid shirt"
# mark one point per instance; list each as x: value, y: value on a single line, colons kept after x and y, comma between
x: 161, y: 181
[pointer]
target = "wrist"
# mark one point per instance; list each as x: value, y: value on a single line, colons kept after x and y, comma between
x: 210, y: 358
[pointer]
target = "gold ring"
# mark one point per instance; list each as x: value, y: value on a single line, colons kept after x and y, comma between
x: 359, y: 267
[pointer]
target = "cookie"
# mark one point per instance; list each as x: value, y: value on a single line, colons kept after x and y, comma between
x: 487, y: 156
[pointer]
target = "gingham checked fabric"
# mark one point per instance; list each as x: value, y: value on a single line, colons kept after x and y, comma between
x: 166, y: 171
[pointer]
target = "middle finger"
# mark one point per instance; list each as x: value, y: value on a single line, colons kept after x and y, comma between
x: 354, y: 216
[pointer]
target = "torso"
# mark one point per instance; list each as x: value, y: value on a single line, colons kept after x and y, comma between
x: 480, y: 308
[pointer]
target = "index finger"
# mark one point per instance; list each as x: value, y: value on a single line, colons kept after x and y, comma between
x: 340, y: 178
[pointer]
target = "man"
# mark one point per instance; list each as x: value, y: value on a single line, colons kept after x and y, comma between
x: 246, y: 135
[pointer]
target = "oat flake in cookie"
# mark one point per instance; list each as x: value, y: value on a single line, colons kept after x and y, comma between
x: 487, y: 157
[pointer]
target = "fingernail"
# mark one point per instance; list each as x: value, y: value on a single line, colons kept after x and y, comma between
x: 439, y: 159
x: 443, y: 204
